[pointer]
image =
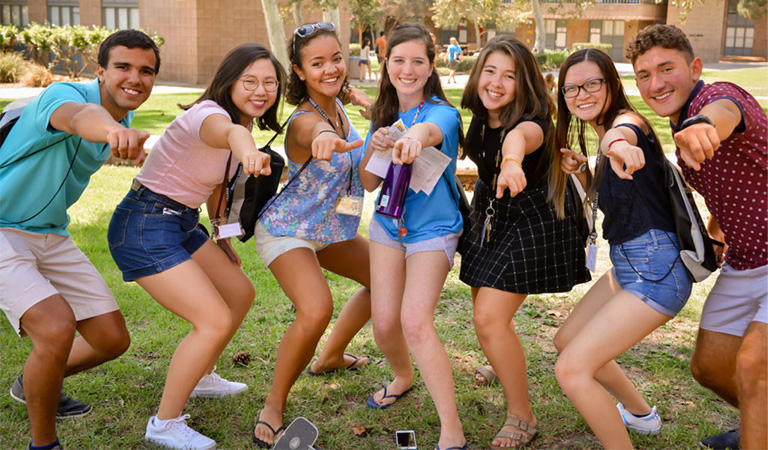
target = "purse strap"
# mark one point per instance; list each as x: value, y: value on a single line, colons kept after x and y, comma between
x: 223, y: 187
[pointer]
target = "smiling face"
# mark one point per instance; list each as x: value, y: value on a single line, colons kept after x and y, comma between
x: 497, y: 83
x: 587, y: 106
x: 127, y: 80
x: 666, y: 79
x: 322, y: 66
x: 253, y: 104
x: 409, y: 69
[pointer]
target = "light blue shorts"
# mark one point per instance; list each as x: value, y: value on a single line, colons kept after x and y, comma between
x: 447, y: 243
x: 649, y: 266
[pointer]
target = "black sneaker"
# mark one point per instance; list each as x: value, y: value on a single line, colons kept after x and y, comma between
x: 728, y: 440
x: 68, y: 406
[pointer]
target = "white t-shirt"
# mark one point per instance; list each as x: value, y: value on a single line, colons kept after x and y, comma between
x: 365, y: 53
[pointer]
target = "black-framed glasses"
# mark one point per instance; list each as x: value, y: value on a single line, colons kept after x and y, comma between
x: 253, y: 83
x: 591, y: 86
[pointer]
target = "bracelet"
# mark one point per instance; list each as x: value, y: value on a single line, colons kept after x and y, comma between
x: 615, y: 141
x: 509, y: 158
x: 327, y: 131
x: 408, y: 137
x: 699, y: 118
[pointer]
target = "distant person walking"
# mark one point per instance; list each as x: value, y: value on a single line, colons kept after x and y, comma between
x: 381, y: 47
x: 452, y: 57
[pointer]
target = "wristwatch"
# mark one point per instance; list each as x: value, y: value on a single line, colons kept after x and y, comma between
x: 582, y: 168
x: 699, y: 118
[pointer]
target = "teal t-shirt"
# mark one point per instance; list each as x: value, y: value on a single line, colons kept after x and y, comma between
x: 430, y: 216
x: 29, y: 181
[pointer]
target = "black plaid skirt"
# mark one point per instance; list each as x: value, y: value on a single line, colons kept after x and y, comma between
x: 529, y: 250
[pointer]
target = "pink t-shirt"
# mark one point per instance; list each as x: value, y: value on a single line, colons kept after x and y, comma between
x: 734, y: 183
x: 180, y: 165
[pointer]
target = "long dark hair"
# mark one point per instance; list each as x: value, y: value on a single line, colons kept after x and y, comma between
x: 228, y: 73
x: 297, y: 89
x: 387, y: 104
x: 571, y: 130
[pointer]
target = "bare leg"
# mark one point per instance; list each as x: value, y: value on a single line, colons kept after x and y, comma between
x: 610, y: 376
x: 349, y: 259
x: 186, y: 291
x: 425, y: 277
x: 387, y: 286
x: 753, y: 389
x: 713, y: 363
x: 102, y: 338
x: 494, y: 310
x: 50, y: 325
x: 616, y: 327
x: 299, y: 274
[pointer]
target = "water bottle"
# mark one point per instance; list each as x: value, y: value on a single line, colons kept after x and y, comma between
x: 393, y: 190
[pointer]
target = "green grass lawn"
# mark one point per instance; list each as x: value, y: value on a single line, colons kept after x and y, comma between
x: 126, y: 392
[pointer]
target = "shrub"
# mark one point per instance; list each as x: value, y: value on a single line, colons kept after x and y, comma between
x: 549, y: 60
x: 36, y: 75
x: 465, y: 65
x: 8, y: 35
x: 354, y: 50
x: 11, y: 67
x: 600, y: 46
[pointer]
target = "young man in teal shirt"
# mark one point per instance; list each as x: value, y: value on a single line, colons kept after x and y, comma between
x: 48, y: 288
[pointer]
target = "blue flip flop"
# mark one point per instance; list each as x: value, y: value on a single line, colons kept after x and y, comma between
x: 372, y: 404
x: 261, y: 443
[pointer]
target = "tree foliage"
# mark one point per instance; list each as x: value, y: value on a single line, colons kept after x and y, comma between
x: 752, y: 9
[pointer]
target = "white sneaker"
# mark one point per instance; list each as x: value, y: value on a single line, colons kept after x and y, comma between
x: 212, y: 385
x: 648, y: 424
x: 175, y: 433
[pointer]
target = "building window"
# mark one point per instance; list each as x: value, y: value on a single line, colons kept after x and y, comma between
x: 555, y: 33
x: 120, y: 15
x: 608, y: 32
x: 63, y: 12
x: 739, y: 33
x: 14, y: 12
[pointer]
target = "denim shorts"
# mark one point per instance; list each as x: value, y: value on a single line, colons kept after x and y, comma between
x: 650, y: 267
x: 150, y: 233
x: 446, y: 244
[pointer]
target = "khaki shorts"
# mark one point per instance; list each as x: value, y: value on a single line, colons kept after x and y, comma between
x: 270, y: 247
x: 35, y: 266
x: 738, y: 298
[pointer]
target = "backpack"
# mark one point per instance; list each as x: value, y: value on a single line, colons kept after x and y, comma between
x: 10, y: 115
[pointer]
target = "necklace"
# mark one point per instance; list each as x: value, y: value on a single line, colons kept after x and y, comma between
x: 490, y: 211
x: 337, y: 125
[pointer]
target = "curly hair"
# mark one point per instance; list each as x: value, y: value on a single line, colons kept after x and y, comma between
x: 666, y: 36
x: 297, y: 88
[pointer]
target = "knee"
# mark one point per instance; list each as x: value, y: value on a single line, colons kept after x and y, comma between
x: 486, y: 324
x: 752, y: 369
x: 315, y: 319
x: 704, y: 370
x: 115, y: 343
x: 216, y: 324
x: 416, y: 328
x: 55, y: 340
x: 385, y: 331
x: 567, y: 370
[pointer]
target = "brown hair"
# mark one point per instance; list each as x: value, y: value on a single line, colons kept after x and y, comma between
x: 297, y: 89
x: 666, y: 36
x: 228, y: 73
x: 386, y: 106
x: 571, y: 129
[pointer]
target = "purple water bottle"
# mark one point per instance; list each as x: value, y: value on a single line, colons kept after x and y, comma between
x: 393, y: 190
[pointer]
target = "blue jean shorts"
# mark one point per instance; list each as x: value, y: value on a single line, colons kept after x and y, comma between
x: 446, y: 244
x: 150, y: 233
x: 649, y: 266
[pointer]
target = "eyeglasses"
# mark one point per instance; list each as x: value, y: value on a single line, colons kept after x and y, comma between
x: 253, y: 83
x: 307, y: 30
x: 591, y: 86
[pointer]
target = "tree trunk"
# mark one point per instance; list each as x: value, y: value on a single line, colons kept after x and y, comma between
x: 479, y: 38
x: 298, y: 16
x: 332, y: 15
x: 539, y: 40
x: 275, y: 32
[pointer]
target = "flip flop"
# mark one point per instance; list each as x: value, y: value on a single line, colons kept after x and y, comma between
x: 372, y: 404
x: 485, y: 374
x: 261, y: 443
x: 353, y: 366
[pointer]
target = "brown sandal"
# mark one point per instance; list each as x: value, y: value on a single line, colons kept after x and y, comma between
x: 485, y: 376
x: 525, y: 434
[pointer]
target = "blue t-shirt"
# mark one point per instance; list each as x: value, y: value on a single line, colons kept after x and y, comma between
x: 436, y: 215
x: 453, y: 52
x: 30, y: 181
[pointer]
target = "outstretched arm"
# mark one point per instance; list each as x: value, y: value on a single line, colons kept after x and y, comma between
x: 699, y: 141
x: 94, y: 124
x: 218, y: 131
x: 522, y: 140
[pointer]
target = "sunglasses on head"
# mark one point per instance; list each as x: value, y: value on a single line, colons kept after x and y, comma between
x: 309, y: 29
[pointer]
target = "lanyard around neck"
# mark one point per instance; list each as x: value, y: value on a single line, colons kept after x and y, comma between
x: 325, y: 116
x: 498, y: 154
x: 413, y: 122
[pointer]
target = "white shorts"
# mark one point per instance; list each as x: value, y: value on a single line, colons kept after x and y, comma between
x: 738, y: 298
x: 35, y: 266
x: 270, y: 247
